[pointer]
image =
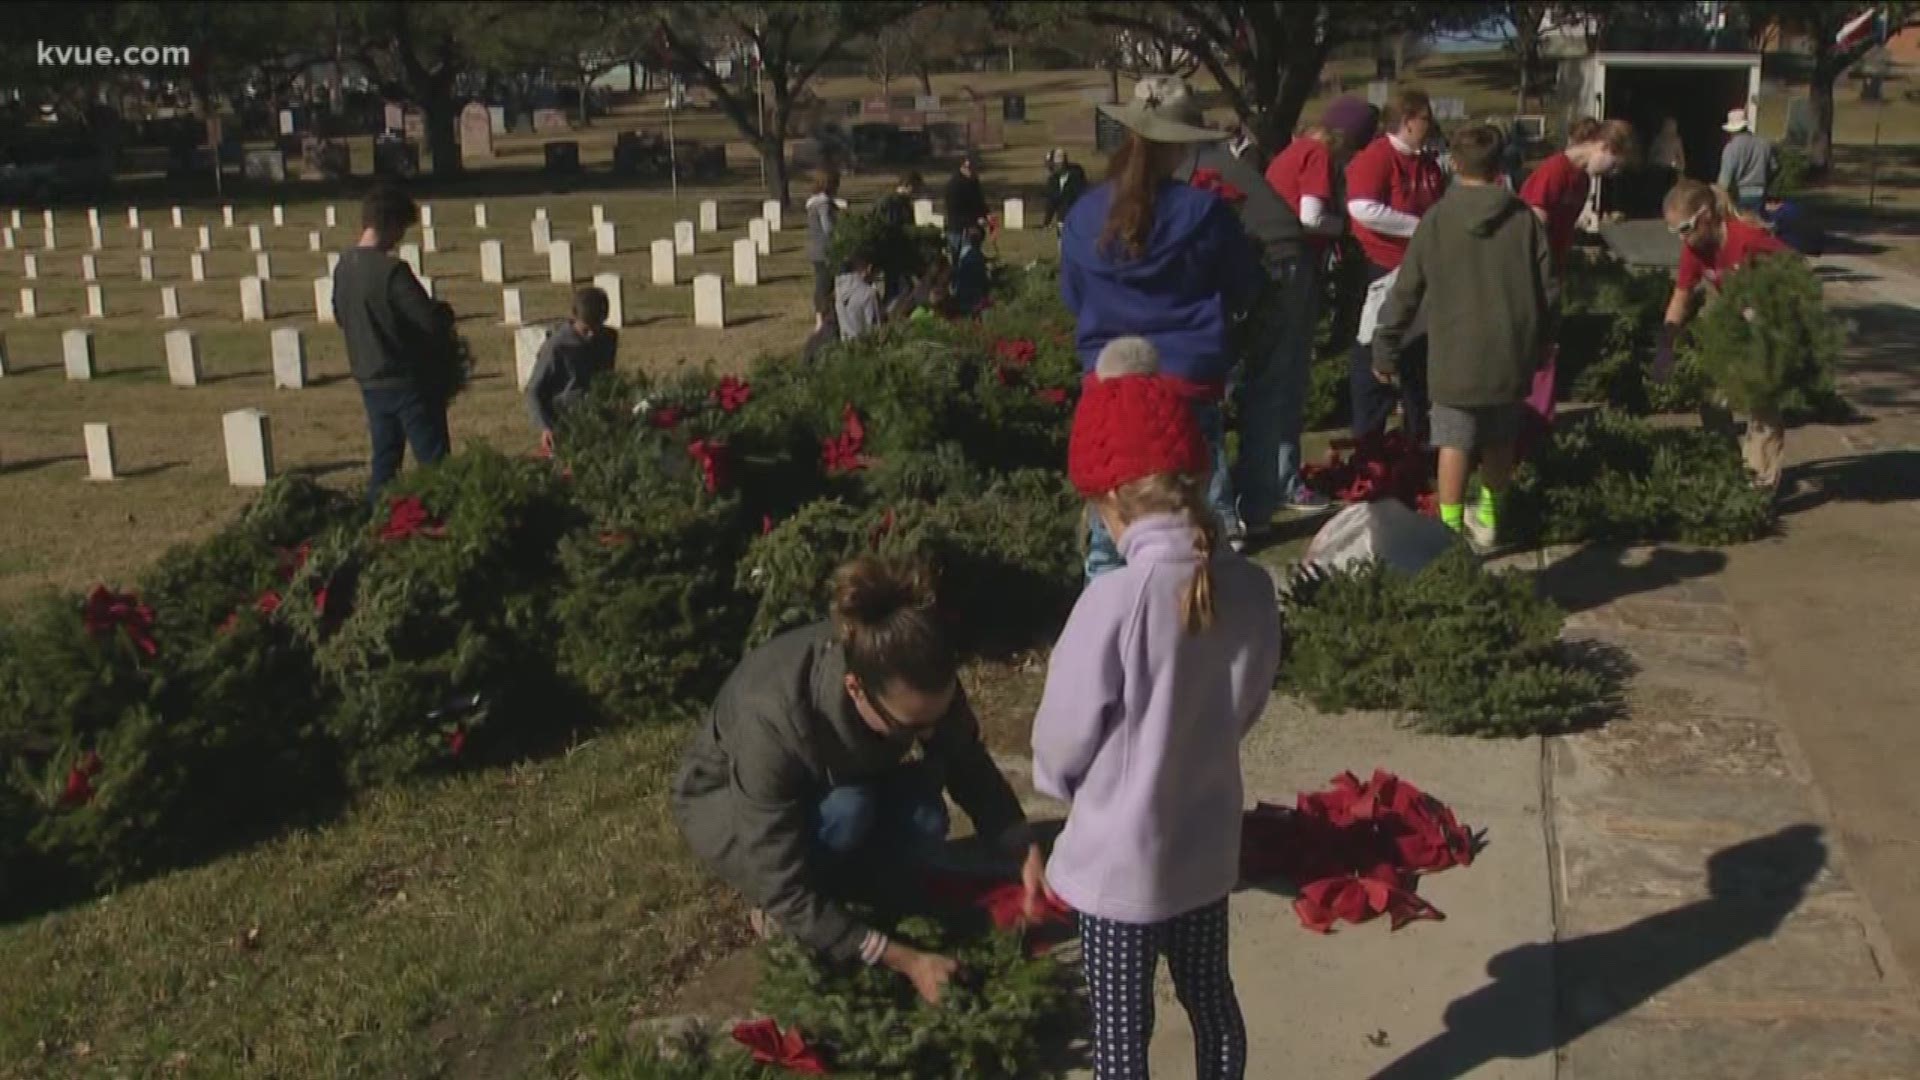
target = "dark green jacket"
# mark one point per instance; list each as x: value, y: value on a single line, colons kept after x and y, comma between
x: 781, y: 735
x: 1480, y: 265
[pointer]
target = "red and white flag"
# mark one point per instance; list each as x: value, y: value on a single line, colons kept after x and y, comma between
x: 1858, y: 29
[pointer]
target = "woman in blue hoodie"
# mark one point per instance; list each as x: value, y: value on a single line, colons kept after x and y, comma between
x: 1145, y: 255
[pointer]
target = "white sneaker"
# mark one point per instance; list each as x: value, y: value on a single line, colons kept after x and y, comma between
x: 1481, y: 536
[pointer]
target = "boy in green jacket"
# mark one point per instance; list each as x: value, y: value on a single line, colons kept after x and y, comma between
x: 1481, y: 264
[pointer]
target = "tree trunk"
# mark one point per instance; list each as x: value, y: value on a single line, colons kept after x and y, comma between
x: 584, y: 120
x: 1820, y: 97
x: 773, y: 151
x: 926, y: 79
x: 1400, y: 56
x: 443, y: 135
x: 1113, y: 84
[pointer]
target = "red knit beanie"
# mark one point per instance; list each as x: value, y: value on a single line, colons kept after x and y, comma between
x: 1130, y: 428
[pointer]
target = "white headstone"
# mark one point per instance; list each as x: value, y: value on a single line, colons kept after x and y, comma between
x: 426, y: 286
x: 206, y: 238
x: 510, y: 307
x: 183, y: 358
x: 606, y: 239
x: 429, y: 240
x: 47, y: 238
x: 289, y: 360
x: 76, y: 350
x: 709, y: 216
x: 93, y: 219
x: 663, y: 263
x: 493, y: 265
x: 599, y: 215
x: 3, y: 356
x: 11, y: 243
x: 253, y: 300
x: 226, y: 217
x: 616, y: 298
x: 938, y: 221
x: 95, y: 240
x: 770, y: 213
x: 89, y: 268
x: 526, y: 352
x: 286, y: 121
x: 333, y: 218
x: 96, y: 302
x: 254, y: 240
x: 99, y: 451
x: 480, y: 215
x: 197, y: 266
x: 46, y: 218
x: 709, y: 302
x: 263, y: 266
x: 1014, y: 217
x: 169, y: 302
x: 683, y: 238
x: 560, y: 262
x: 279, y: 216
x: 314, y: 241
x: 30, y: 266
x: 249, y: 436
x: 410, y: 254
x: 146, y: 268
x: 323, y: 299
x: 923, y: 211
x: 746, y: 263
x: 133, y: 217
x: 333, y: 262
x: 28, y: 307
x: 426, y: 215
x: 539, y: 213
x: 179, y: 218
x: 146, y: 239
x: 542, y: 235
x: 760, y: 235
x: 13, y: 217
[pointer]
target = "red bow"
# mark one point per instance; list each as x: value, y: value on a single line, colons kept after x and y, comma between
x: 268, y: 603
x: 731, y: 394
x: 787, y: 1050
x: 1212, y: 180
x: 766, y: 524
x: 1005, y: 903
x: 106, y: 611
x: 665, y: 418
x: 1357, y: 898
x: 456, y: 741
x: 79, y: 789
x: 1052, y: 395
x: 712, y: 456
x: 842, y: 452
x: 1017, y: 351
x: 407, y: 517
x: 1372, y: 468
x: 609, y: 538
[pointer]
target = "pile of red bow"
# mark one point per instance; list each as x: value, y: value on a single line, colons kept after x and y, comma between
x: 1356, y: 850
x: 1375, y: 467
x: 106, y: 611
x: 731, y: 394
x: 1005, y: 903
x: 1212, y: 180
x: 844, y: 452
x: 79, y: 789
x: 782, y: 1049
x: 407, y: 518
x: 715, y: 466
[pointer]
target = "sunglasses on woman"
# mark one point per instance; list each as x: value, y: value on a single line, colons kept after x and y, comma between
x: 1686, y: 227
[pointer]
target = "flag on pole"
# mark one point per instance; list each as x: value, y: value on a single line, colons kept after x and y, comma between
x: 1857, y: 30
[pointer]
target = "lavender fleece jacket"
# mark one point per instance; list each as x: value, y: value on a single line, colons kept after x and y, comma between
x: 1140, y: 729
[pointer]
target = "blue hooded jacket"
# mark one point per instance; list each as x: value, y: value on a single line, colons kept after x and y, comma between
x: 1198, y: 270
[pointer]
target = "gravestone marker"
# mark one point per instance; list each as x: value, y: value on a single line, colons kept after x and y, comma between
x: 96, y: 240
x: 197, y: 266
x: 179, y: 218
x: 13, y: 217
x: 183, y: 358
x: 169, y: 302
x: 476, y: 132
x: 746, y: 263
x: 923, y: 211
x: 249, y: 437
x: 3, y: 356
x: 606, y: 239
x: 526, y: 352
x: 429, y: 241
x: 289, y: 360
x: 254, y: 240
x: 279, y: 216
x: 1014, y: 216
x: 510, y: 307
x: 89, y: 268
x: 770, y: 213
x: 709, y: 302
x: 146, y: 239
x: 760, y: 235
x: 332, y: 218
x: 410, y: 254
x: 493, y: 267
x: 93, y: 219
x: 253, y: 300
x: 333, y: 262
x: 616, y: 299
x: 683, y: 238
x: 263, y: 266
x: 47, y: 239
x: 30, y: 266
x: 99, y: 452
x: 206, y: 239
x: 426, y: 286
x: 709, y: 216
x: 146, y: 268
x: 599, y: 215
x: 8, y: 233
x: 226, y: 217
x: 323, y: 300
x: 497, y: 119
x: 480, y: 215
x: 28, y: 307
x: 542, y: 235
x: 663, y: 263
x: 46, y: 219
x: 76, y: 351
x: 313, y: 241
x: 426, y: 215
x: 560, y: 262
x: 96, y: 302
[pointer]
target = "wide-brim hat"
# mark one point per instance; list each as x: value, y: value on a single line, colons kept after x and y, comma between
x: 1163, y: 110
x: 1736, y: 121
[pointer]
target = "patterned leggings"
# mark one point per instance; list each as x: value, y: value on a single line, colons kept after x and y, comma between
x: 1120, y: 960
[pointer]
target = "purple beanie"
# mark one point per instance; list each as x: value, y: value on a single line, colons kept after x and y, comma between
x: 1353, y: 118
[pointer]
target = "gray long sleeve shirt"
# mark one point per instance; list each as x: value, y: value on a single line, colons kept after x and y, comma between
x: 567, y: 365
x: 1747, y: 165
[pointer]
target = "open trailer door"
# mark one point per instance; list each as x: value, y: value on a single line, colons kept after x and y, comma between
x: 1693, y: 90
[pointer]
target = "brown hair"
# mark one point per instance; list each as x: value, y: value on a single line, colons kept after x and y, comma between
x: 590, y: 305
x: 1406, y: 105
x: 1130, y: 217
x: 1171, y: 493
x: 825, y: 180
x: 388, y: 210
x: 884, y: 619
x: 1689, y: 197
x: 1476, y: 151
x: 1617, y: 135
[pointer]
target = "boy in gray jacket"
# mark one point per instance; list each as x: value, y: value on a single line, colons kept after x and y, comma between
x: 1481, y: 263
x: 569, y: 362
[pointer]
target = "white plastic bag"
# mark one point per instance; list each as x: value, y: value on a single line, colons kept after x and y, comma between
x: 1385, y: 530
x: 1376, y: 300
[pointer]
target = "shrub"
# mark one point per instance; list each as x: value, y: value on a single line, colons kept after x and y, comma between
x: 900, y: 252
x: 1766, y: 340
x: 1614, y: 478
x: 1458, y: 650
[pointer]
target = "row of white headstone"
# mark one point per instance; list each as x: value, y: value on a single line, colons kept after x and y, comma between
x: 183, y: 357
x: 249, y: 442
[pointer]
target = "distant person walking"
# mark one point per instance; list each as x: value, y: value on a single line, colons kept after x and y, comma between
x: 823, y: 212
x: 896, y: 206
x: 1066, y: 182
x: 1748, y: 165
x: 966, y: 204
x: 391, y: 327
x: 569, y: 362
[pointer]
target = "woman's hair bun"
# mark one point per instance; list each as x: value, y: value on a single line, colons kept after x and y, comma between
x: 869, y: 591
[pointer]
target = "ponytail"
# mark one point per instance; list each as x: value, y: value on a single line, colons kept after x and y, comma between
x: 1689, y: 197
x: 883, y: 617
x: 1168, y: 493
x: 1130, y: 216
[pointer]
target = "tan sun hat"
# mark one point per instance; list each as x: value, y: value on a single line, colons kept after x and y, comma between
x: 1163, y: 110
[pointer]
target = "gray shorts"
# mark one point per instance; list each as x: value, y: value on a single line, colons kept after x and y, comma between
x: 1476, y: 427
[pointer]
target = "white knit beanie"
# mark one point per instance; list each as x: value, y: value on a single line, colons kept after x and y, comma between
x: 1127, y: 356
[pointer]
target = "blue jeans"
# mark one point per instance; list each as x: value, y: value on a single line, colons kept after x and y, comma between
x: 1751, y: 204
x: 1104, y: 555
x: 900, y: 815
x: 1274, y: 397
x: 395, y: 419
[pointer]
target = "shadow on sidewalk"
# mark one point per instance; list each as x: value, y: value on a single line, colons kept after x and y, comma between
x: 1599, y: 575
x: 1891, y: 476
x: 1598, y: 978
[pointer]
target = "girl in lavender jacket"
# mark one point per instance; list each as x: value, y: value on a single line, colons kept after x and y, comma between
x: 1162, y: 668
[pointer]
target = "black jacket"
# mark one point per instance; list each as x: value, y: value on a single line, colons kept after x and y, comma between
x: 392, y: 328
x: 1064, y: 188
x: 966, y: 201
x: 567, y: 366
x: 1272, y: 225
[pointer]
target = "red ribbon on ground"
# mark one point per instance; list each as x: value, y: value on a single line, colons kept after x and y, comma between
x: 407, y: 518
x: 106, y: 611
x: 1389, y: 466
x: 782, y: 1049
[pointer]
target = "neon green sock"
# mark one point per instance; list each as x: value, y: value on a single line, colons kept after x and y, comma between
x: 1489, y: 507
x: 1453, y: 515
